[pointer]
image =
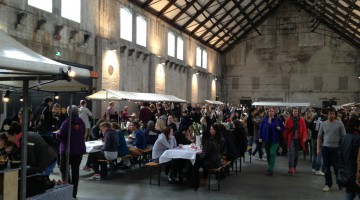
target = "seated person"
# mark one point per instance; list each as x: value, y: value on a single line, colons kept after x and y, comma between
x: 109, y: 151
x: 140, y: 139
x: 183, y: 136
x: 151, y: 134
x: 123, y: 149
x: 165, y: 141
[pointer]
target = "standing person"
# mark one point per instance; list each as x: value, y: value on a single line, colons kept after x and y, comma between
x: 269, y: 131
x: 316, y: 160
x: 170, y: 122
x: 58, y: 115
x: 124, y: 114
x: 257, y: 120
x: 84, y: 114
x: 77, y: 147
x: 349, y: 160
x: 145, y: 114
x: 329, y: 135
x: 250, y: 128
x: 295, y: 135
x: 44, y: 118
x: 110, y: 111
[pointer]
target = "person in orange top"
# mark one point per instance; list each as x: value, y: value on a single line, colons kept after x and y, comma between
x: 295, y: 135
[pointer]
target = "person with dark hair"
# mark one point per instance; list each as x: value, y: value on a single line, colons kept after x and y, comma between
x: 183, y: 136
x: 349, y: 168
x: 257, y: 120
x: 18, y: 117
x: 329, y: 135
x: 270, y: 128
x: 145, y: 114
x: 250, y: 128
x: 151, y: 133
x: 240, y: 137
x: 77, y: 146
x: 58, y: 115
x: 110, y: 112
x: 140, y: 139
x: 40, y: 156
x: 295, y: 135
x: 123, y: 149
x: 109, y: 151
x: 44, y: 118
x: 185, y: 119
x: 96, y: 132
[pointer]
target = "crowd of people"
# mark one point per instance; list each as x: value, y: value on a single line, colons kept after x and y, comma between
x: 227, y: 134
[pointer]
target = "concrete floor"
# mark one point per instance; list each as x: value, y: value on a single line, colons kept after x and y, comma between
x: 251, y: 183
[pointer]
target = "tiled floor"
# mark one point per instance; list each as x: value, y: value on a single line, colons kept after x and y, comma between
x: 251, y: 183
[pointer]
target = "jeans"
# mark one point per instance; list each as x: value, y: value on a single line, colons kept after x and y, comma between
x: 258, y: 149
x: 293, y: 152
x: 250, y: 140
x: 74, y: 162
x: 271, y: 155
x: 316, y: 159
x: 352, y: 195
x: 330, y: 158
x: 50, y: 168
x: 94, y: 157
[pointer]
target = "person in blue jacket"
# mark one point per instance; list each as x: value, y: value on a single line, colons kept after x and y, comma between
x: 123, y: 149
x: 270, y: 130
x: 140, y: 139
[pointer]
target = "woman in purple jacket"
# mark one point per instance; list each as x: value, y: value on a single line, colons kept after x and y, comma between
x: 77, y: 146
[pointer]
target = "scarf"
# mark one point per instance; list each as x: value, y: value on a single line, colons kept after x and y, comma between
x: 296, y: 125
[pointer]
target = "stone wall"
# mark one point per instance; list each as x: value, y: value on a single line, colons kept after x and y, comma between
x: 289, y: 63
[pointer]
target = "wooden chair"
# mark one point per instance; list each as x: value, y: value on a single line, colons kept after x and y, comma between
x: 153, y: 165
x: 104, y: 169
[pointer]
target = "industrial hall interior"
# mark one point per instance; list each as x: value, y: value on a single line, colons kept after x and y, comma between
x: 148, y: 99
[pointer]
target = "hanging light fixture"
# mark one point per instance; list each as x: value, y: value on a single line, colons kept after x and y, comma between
x: 56, y: 96
x: 6, y: 97
x: 21, y: 98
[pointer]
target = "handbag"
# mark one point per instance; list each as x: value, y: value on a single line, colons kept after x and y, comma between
x: 281, y: 135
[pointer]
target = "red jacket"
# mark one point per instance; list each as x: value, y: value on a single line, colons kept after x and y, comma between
x: 289, y: 124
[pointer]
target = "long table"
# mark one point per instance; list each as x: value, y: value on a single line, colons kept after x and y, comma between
x: 186, y: 152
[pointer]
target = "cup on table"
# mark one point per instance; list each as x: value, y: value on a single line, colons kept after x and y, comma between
x: 180, y: 146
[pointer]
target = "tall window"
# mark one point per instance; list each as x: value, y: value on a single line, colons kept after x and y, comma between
x: 41, y: 4
x: 141, y: 31
x: 204, y: 59
x: 198, y: 56
x: 125, y: 24
x: 71, y: 9
x: 180, y: 48
x: 171, y: 44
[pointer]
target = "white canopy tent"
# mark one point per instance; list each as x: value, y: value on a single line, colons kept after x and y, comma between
x: 19, y: 66
x: 214, y: 102
x: 280, y: 104
x: 353, y: 104
x: 133, y: 96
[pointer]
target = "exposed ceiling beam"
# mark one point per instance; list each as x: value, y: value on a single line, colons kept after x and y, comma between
x: 221, y: 6
x: 203, y: 8
x: 183, y: 10
x: 346, y: 9
x: 257, y: 23
x: 246, y: 14
x: 146, y: 3
x: 349, y: 39
x: 218, y: 22
x: 165, y: 8
x: 232, y: 28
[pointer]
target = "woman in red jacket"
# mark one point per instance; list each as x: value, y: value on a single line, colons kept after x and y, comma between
x: 295, y: 135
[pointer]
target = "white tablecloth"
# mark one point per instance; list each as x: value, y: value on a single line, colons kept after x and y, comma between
x: 60, y: 192
x: 93, y: 146
x: 185, y: 153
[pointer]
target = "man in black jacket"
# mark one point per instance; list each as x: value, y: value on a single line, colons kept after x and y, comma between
x: 44, y: 119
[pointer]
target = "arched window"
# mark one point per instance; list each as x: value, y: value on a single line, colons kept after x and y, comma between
x: 41, y: 4
x: 141, y: 31
x: 171, y: 44
x: 198, y: 56
x: 180, y: 48
x: 125, y: 24
x: 71, y: 9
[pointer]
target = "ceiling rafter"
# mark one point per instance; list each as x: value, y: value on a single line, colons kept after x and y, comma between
x: 193, y: 18
x: 146, y: 3
x: 221, y: 6
x: 165, y: 8
x: 183, y: 10
x: 241, y: 9
x: 257, y: 23
x: 350, y: 11
x: 218, y: 22
x: 325, y: 21
x: 232, y: 28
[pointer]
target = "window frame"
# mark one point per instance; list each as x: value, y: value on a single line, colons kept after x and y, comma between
x: 173, y: 43
x: 126, y: 35
x: 179, y: 50
x: 139, y: 33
